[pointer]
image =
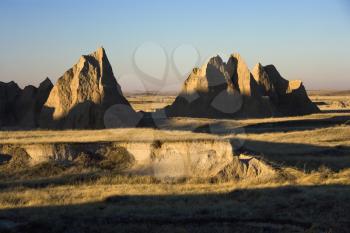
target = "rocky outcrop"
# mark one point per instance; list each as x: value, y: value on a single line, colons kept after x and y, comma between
x: 161, y: 159
x: 241, y: 76
x: 88, y: 96
x: 289, y: 97
x: 206, y: 85
x: 81, y: 96
x: 21, y: 108
x: 230, y: 90
x: 30, y: 103
x: 266, y: 86
x: 9, y: 92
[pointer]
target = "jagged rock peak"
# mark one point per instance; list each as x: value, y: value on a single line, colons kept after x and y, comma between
x: 258, y: 67
x: 97, y: 56
x: 46, y: 82
x: 212, y: 74
x: 100, y: 53
x: 234, y: 74
x: 241, y: 75
x: 264, y: 91
x: 82, y: 95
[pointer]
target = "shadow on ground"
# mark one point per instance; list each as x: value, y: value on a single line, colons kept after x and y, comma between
x: 274, y: 127
x: 336, y: 111
x: 224, y: 127
x: 58, y: 180
x: 303, y: 156
x: 282, y: 209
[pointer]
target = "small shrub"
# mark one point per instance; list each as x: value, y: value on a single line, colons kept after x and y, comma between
x: 20, y: 159
x: 46, y: 169
x: 156, y: 144
x: 117, y: 158
x: 325, y: 172
x: 87, y: 159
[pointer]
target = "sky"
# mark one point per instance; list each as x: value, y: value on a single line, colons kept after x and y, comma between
x: 153, y: 45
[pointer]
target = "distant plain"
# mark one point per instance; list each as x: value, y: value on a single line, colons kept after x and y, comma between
x: 309, y: 193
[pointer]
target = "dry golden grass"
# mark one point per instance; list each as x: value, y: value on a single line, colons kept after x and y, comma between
x: 150, y: 103
x: 133, y: 204
x: 324, y: 137
x: 310, y: 193
x: 173, y: 133
x: 40, y: 193
x: 106, y: 135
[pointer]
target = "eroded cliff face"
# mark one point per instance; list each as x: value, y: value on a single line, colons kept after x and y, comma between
x: 81, y: 96
x: 229, y: 90
x: 161, y: 159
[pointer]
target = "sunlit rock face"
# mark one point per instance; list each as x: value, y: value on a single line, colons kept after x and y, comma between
x: 81, y: 96
x: 229, y: 90
x: 160, y: 159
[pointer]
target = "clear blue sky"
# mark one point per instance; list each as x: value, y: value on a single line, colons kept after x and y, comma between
x: 308, y: 40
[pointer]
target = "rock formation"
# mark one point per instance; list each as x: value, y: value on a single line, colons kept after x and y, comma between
x: 81, y: 96
x: 8, y: 95
x: 289, y: 97
x: 21, y: 108
x: 161, y: 159
x: 230, y: 90
x: 30, y: 103
x: 88, y: 96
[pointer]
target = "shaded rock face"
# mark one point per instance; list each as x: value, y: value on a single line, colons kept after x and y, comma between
x: 82, y: 95
x: 30, y: 103
x: 9, y: 92
x: 230, y: 90
x: 289, y: 97
x: 21, y: 108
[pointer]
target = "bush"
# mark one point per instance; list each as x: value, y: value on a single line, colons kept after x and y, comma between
x: 87, y: 159
x: 117, y: 158
x: 20, y: 159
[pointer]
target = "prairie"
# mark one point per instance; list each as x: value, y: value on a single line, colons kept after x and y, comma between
x: 309, y: 191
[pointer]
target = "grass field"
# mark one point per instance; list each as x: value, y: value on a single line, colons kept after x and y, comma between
x: 309, y: 193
